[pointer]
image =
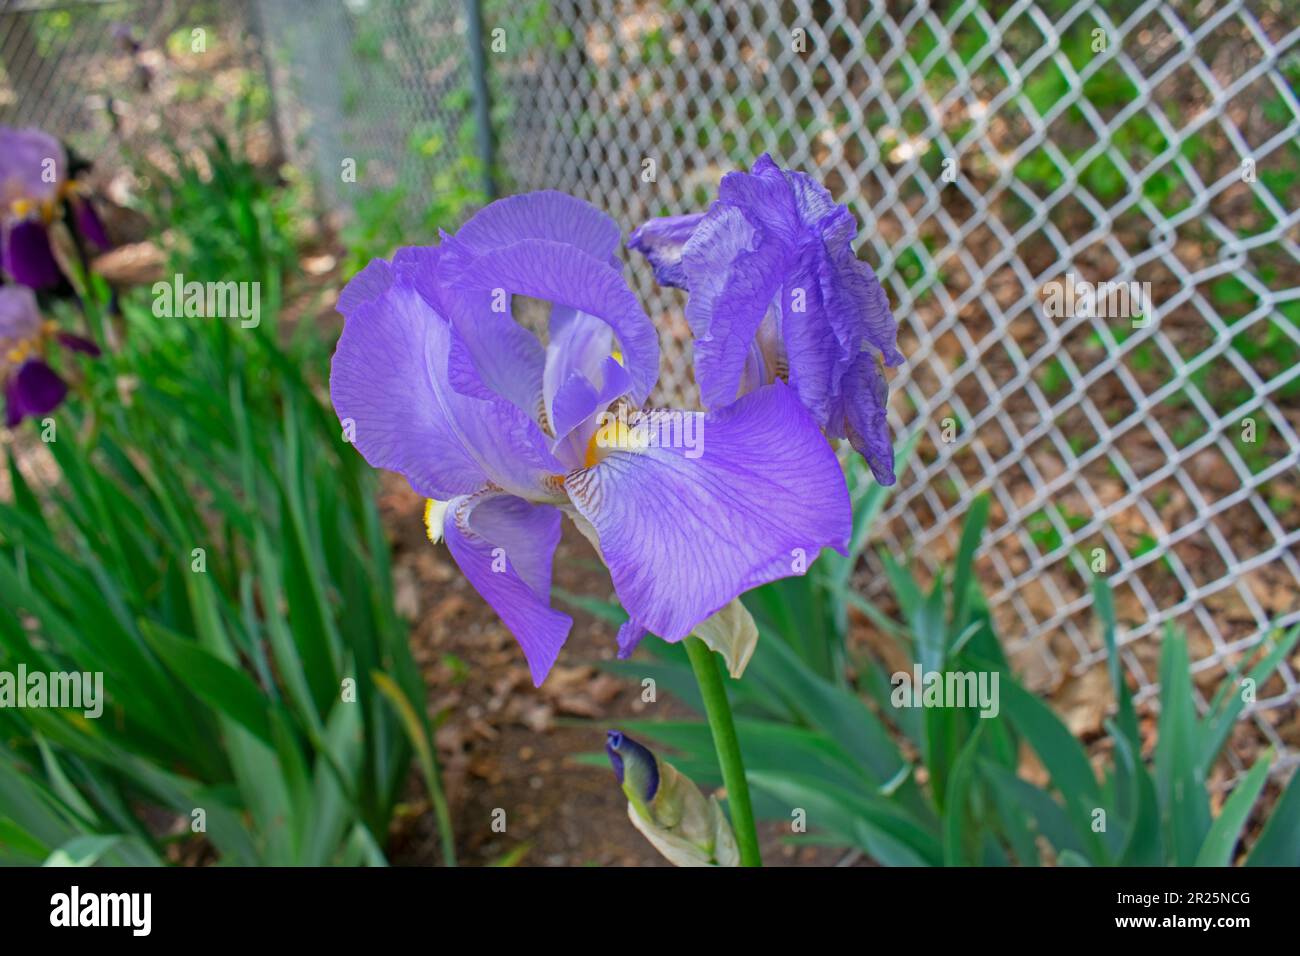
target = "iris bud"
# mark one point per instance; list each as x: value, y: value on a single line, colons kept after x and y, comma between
x: 635, y: 766
x: 669, y: 809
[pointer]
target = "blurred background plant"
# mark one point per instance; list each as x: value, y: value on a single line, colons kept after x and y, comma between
x: 214, y: 550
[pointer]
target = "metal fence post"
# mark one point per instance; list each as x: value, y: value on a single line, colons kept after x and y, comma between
x: 482, y: 99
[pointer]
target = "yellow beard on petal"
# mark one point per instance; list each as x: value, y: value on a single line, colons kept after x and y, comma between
x: 435, y: 512
x: 614, y: 435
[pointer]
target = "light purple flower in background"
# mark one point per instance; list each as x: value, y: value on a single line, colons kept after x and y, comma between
x: 33, y: 166
x: 30, y: 386
x: 436, y: 380
x: 35, y: 192
x: 775, y: 292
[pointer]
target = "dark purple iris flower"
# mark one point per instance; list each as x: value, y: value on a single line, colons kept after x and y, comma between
x: 776, y: 293
x: 36, y: 192
x: 434, y: 379
x: 31, y: 387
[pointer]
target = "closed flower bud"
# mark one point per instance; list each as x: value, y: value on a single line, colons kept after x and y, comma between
x: 669, y: 809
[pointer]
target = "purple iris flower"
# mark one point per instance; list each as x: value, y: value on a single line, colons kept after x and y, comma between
x: 33, y: 165
x: 30, y: 386
x: 776, y: 293
x: 36, y: 192
x: 434, y: 379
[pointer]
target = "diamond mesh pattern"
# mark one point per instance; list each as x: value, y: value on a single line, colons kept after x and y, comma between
x: 1115, y: 164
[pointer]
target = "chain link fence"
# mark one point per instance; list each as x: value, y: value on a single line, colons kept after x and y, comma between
x: 1002, y: 158
x: 996, y: 154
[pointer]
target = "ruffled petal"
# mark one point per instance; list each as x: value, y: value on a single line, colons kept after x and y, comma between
x: 775, y: 241
x: 505, y: 547
x: 765, y: 196
x: 391, y: 380
x: 812, y: 201
x: 662, y: 241
x: 854, y: 291
x: 734, y: 270
x: 557, y: 272
x: 818, y: 339
x: 545, y: 214
x: 684, y: 535
x: 509, y: 358
x: 861, y: 416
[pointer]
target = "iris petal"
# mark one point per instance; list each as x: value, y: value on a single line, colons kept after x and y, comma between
x: 88, y: 223
x: 546, y: 214
x: 557, y: 272
x: 78, y: 343
x: 35, y: 390
x: 579, y: 345
x: 683, y: 536
x: 505, y: 546
x: 391, y: 378
x: 775, y: 243
x: 581, y: 380
x: 32, y: 164
x: 662, y: 241
x: 507, y: 358
x: 734, y: 271
x: 29, y: 258
x: 861, y: 416
x: 817, y: 344
x: 630, y: 636
x: 20, y: 319
x: 366, y: 286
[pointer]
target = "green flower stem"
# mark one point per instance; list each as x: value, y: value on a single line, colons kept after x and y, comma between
x: 716, y: 705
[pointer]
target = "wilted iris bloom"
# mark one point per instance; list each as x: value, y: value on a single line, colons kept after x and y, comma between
x: 434, y: 379
x: 31, y: 387
x: 39, y: 197
x: 775, y: 292
x: 669, y: 809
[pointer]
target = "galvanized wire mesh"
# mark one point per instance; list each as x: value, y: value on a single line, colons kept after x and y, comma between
x: 383, y: 86
x: 989, y: 149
